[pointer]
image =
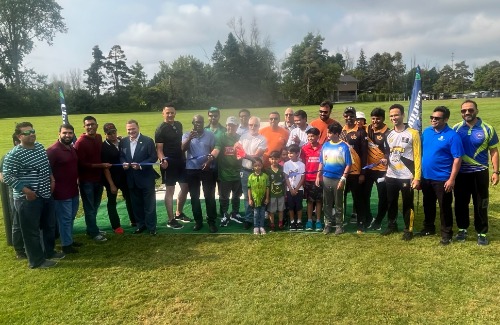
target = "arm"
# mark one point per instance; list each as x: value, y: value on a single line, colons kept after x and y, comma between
x: 319, y: 175
x: 161, y: 156
x: 450, y: 183
x: 494, y: 162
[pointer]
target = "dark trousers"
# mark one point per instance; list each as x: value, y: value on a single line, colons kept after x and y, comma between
x: 34, y: 216
x: 394, y: 186
x: 372, y: 177
x: 144, y: 206
x: 475, y: 185
x: 114, y: 218
x: 225, y: 190
x: 204, y: 178
x: 353, y: 186
x: 432, y: 191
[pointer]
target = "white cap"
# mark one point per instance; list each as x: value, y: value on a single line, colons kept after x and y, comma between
x: 232, y: 120
x: 360, y: 115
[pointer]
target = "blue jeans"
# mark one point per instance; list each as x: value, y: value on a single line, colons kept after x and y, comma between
x: 65, y: 213
x: 91, y: 194
x: 244, y: 187
x: 259, y: 214
x: 34, y: 216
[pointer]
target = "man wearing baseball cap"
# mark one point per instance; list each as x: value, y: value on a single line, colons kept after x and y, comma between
x: 115, y: 178
x: 229, y: 172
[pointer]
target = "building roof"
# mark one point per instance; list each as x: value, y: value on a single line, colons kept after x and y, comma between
x: 348, y: 78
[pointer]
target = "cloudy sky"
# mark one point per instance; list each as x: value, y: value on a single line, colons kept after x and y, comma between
x: 426, y: 31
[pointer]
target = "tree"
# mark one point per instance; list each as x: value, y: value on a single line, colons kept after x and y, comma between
x: 21, y: 23
x: 462, y: 80
x: 117, y: 69
x: 444, y: 84
x: 95, y: 76
x: 487, y: 77
x: 361, y: 71
x: 310, y: 74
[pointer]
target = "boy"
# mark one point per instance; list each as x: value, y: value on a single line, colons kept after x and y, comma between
x: 258, y: 195
x: 294, y: 170
x: 314, y: 194
x: 334, y: 166
x: 276, y: 189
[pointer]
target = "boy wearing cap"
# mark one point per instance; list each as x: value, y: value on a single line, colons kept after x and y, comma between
x: 309, y: 155
x: 355, y: 137
x: 229, y: 172
x: 115, y: 178
x: 361, y: 120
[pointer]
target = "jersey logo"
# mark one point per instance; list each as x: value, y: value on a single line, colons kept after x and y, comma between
x: 441, y: 138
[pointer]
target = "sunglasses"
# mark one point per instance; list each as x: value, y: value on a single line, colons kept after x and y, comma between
x: 323, y: 112
x: 467, y: 110
x: 436, y: 117
x: 28, y: 132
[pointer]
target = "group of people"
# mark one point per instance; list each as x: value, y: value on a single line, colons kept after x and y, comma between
x: 276, y: 168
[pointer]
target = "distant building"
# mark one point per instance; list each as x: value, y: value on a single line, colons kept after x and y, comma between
x: 347, y: 89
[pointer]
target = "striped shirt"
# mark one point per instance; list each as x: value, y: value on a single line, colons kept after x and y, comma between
x: 377, y: 147
x: 476, y: 141
x: 28, y: 168
x: 404, y: 158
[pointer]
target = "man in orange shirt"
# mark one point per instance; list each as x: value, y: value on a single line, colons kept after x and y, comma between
x: 324, y: 120
x: 275, y: 135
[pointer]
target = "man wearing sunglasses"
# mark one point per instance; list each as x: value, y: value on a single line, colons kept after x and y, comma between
x: 26, y: 169
x: 473, y: 179
x: 442, y: 153
x: 324, y: 120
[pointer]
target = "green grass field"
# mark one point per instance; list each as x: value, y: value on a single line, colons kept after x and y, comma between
x: 244, y: 279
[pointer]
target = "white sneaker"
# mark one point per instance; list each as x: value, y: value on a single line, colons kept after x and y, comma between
x: 100, y: 238
x: 262, y: 231
x: 255, y: 231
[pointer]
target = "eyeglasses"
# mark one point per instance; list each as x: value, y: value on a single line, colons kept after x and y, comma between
x: 323, y: 112
x: 111, y: 132
x: 467, y: 110
x: 28, y: 132
x: 253, y: 125
x: 436, y: 118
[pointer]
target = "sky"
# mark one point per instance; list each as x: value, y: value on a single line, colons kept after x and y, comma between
x: 431, y: 33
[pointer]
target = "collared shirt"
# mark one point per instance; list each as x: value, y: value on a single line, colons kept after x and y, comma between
x: 242, y: 130
x: 300, y: 133
x: 199, y: 149
x: 133, y: 145
x: 476, y: 141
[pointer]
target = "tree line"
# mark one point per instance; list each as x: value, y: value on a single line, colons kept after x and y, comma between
x: 242, y: 71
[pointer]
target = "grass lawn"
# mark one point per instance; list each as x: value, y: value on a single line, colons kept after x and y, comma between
x: 245, y: 279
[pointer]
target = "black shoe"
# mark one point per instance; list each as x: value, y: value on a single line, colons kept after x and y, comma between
x: 76, y: 244
x: 174, y: 224
x: 213, y: 228
x: 407, y: 236
x: 69, y: 249
x: 152, y: 232
x: 247, y: 225
x: 389, y: 231
x: 21, y: 256
x: 183, y: 218
x: 139, y: 230
x: 445, y: 241
x: 426, y: 232
x: 299, y: 226
x: 197, y: 226
x: 133, y: 224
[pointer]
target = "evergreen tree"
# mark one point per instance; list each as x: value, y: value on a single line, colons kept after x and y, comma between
x: 95, y: 77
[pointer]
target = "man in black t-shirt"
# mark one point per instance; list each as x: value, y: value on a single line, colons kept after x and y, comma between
x: 168, y: 138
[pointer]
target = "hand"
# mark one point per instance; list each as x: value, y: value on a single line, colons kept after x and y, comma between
x: 296, y: 139
x: 113, y: 189
x: 164, y: 164
x: 30, y: 195
x: 250, y: 202
x: 494, y: 179
x: 106, y: 165
x: 126, y: 166
x: 317, y: 182
x: 449, y: 185
x: 383, y: 162
x: 361, y: 179
x: 340, y: 185
x: 135, y: 166
x: 415, y: 184
x: 193, y: 134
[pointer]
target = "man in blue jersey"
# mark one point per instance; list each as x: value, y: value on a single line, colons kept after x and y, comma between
x: 442, y: 153
x: 478, y: 139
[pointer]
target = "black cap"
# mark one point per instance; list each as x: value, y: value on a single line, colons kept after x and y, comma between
x: 350, y: 109
x: 108, y: 127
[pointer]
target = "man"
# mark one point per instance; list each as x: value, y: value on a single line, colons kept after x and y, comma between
x: 324, y: 120
x: 199, y: 144
x: 289, y: 123
x: 378, y: 151
x: 137, y: 153
x: 168, y: 138
x: 229, y: 172
x: 355, y: 137
x: 214, y: 126
x: 478, y: 139
x: 253, y: 145
x: 298, y: 135
x: 64, y: 164
x: 276, y: 137
x: 403, y: 171
x: 115, y: 178
x: 26, y: 169
x: 244, y: 115
x: 88, y: 148
x: 442, y: 153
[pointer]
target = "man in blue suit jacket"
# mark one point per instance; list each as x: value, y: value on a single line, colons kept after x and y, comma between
x: 137, y: 151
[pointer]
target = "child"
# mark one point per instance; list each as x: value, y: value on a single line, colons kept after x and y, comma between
x: 334, y: 167
x: 276, y: 189
x: 294, y: 170
x: 258, y: 195
x: 314, y: 194
x: 284, y: 157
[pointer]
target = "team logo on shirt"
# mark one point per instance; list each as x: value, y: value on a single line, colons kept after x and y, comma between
x: 379, y: 137
x: 441, y: 138
x: 480, y: 135
x: 229, y: 151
